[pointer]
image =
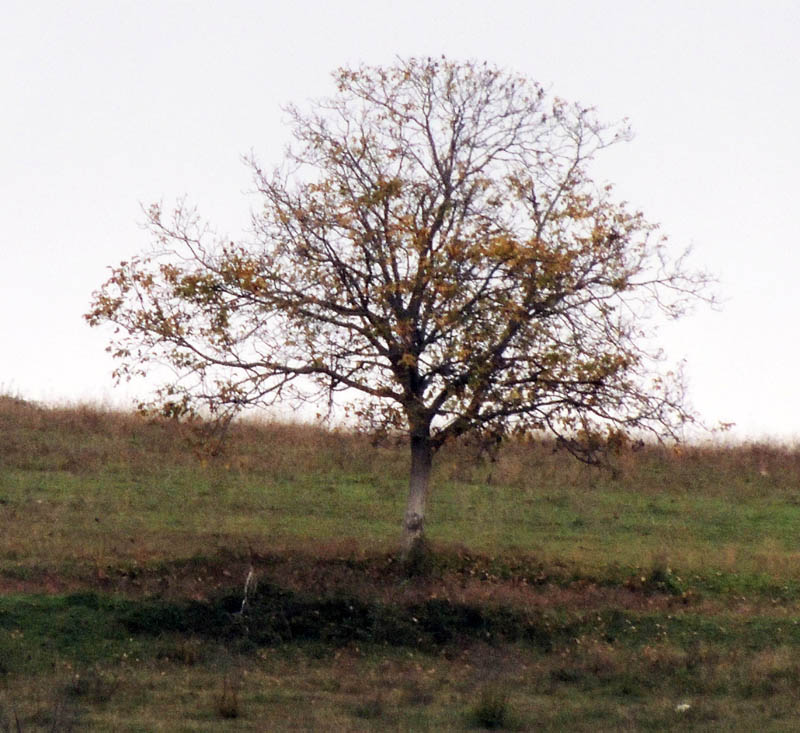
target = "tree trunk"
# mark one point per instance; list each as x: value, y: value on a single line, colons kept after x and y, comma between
x: 419, y: 480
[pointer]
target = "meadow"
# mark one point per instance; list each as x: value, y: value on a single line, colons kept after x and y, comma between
x: 661, y: 595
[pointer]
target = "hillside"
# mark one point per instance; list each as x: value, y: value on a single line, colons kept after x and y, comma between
x: 559, y: 596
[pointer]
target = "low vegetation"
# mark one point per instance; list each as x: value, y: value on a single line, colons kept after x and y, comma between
x: 662, y: 594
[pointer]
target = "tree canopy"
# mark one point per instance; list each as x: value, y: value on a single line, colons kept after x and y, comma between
x: 433, y: 253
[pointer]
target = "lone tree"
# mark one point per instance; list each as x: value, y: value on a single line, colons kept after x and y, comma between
x: 433, y: 254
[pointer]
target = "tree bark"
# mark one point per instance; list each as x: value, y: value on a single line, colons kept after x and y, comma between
x: 419, y: 481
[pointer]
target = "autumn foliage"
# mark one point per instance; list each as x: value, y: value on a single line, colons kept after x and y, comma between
x: 434, y: 256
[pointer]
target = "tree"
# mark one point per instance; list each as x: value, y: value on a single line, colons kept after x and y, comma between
x: 435, y: 254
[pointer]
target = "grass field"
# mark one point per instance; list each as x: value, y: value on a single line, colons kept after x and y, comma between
x: 662, y: 596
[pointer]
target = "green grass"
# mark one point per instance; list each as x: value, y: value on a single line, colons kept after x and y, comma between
x: 663, y: 596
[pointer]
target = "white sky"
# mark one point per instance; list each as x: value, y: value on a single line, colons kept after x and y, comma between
x: 107, y: 104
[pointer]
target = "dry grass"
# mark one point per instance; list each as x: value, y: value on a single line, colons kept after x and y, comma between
x: 602, y: 687
x: 87, y: 439
x: 670, y: 582
x: 104, y: 488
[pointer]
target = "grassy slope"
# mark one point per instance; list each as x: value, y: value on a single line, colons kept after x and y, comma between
x: 588, y: 601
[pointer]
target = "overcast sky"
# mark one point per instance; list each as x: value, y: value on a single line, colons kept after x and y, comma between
x: 111, y: 104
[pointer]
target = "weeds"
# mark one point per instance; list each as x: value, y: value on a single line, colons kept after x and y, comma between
x: 661, y: 579
x: 185, y: 651
x: 227, y: 702
x: 9, y: 721
x: 93, y: 686
x: 57, y: 717
x: 371, y: 708
x: 492, y: 710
